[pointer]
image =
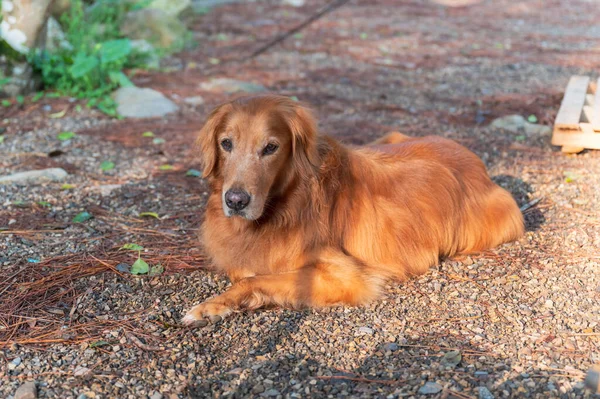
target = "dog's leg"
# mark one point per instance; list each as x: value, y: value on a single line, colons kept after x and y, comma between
x: 334, y: 278
x: 390, y: 138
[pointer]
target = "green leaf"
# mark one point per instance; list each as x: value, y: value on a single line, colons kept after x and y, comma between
x: 107, y: 165
x: 166, y: 167
x: 214, y: 61
x: 64, y: 136
x: 193, y: 173
x: 6, y: 103
x: 532, y: 119
x: 37, y: 96
x: 83, y: 65
x: 294, y: 98
x: 120, y: 78
x: 132, y: 247
x: 20, y: 99
x: 52, y: 95
x: 115, y: 50
x: 298, y: 35
x: 82, y: 217
x: 147, y: 134
x: 67, y: 186
x: 1, y: 139
x: 221, y: 37
x: 364, y: 35
x: 97, y: 344
x: 44, y: 204
x: 20, y: 204
x: 156, y: 270
x: 520, y: 138
x: 139, y: 267
x: 78, y: 108
x: 152, y: 214
x: 59, y: 114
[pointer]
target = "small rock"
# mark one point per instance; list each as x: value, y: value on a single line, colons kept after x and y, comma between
x: 364, y: 331
x: 485, y: 393
x: 258, y: 388
x: 451, y: 358
x: 106, y: 189
x: 82, y: 396
x: 549, y: 303
x: 518, y: 124
x: 135, y: 102
x: 26, y: 391
x: 482, y: 375
x: 80, y: 371
x: 231, y: 86
x: 294, y: 3
x: 156, y: 395
x: 35, y: 176
x: 512, y: 123
x: 533, y: 129
x: 390, y: 346
x: 271, y: 392
x: 196, y: 100
x: 430, y: 388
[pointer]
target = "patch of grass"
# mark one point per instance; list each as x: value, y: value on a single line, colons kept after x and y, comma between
x: 92, y: 65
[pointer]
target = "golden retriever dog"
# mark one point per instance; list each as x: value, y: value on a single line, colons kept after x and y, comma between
x: 297, y: 219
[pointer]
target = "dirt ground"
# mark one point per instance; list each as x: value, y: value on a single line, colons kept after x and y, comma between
x: 518, y: 321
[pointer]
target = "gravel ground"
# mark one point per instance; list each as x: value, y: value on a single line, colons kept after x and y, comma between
x: 518, y: 321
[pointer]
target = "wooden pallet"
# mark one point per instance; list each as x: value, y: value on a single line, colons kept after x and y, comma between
x: 577, y: 125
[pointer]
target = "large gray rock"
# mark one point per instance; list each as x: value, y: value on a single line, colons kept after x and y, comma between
x: 228, y: 85
x: 136, y: 102
x: 26, y: 391
x: 35, y: 176
x: 154, y: 25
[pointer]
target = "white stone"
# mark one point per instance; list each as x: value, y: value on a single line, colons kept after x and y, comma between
x: 35, y: 176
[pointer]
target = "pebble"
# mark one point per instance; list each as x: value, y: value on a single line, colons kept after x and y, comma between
x: 485, y: 393
x: 430, y: 388
x: 35, y: 176
x: 196, y: 100
x: 482, y: 375
x: 390, y: 346
x: 26, y: 391
x: 271, y: 392
x: 364, y: 331
x: 156, y: 395
x: 451, y: 358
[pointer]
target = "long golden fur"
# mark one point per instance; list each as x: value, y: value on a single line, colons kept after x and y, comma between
x: 326, y: 224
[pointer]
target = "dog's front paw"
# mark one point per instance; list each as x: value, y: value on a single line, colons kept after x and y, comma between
x: 205, y: 313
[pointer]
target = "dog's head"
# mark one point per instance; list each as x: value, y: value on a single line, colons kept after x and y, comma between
x: 255, y: 147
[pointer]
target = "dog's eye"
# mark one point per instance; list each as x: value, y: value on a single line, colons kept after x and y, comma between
x: 227, y: 145
x: 270, y: 149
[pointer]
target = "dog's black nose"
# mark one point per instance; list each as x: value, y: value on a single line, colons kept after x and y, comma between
x: 237, y: 199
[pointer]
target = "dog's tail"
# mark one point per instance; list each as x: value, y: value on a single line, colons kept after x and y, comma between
x: 391, y: 138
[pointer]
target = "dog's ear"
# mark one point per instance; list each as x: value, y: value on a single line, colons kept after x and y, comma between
x: 303, y: 126
x: 206, y: 143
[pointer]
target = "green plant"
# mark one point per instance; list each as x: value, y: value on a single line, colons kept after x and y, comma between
x: 93, y: 63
